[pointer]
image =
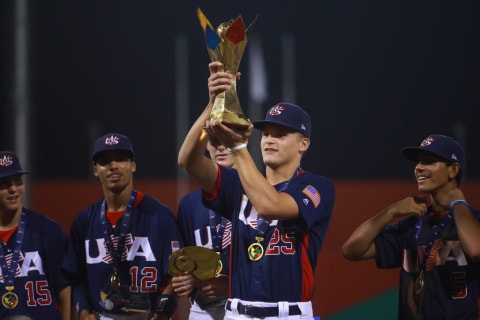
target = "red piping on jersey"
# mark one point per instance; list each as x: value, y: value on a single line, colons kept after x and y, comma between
x: 230, y: 264
x: 308, y: 278
x: 211, y: 196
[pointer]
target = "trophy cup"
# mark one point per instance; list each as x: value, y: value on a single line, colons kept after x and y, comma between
x: 227, y: 45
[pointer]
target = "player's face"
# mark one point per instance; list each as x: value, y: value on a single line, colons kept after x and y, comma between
x: 219, y: 153
x: 433, y: 173
x: 11, y: 193
x: 281, y: 145
x: 115, y: 170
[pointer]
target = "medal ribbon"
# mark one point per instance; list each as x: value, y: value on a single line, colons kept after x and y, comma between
x: 116, y: 253
x: 9, y: 272
x: 217, y: 235
x: 437, y: 229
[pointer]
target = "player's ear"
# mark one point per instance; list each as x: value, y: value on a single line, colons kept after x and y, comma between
x: 133, y: 166
x: 304, y: 143
x: 453, y: 170
x: 94, y: 169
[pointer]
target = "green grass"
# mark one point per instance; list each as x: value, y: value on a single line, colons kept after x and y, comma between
x: 381, y: 307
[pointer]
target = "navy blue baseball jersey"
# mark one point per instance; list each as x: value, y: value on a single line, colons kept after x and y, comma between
x: 195, y: 227
x: 285, y: 271
x: 151, y: 236
x: 202, y: 227
x: 450, y: 287
x: 38, y: 277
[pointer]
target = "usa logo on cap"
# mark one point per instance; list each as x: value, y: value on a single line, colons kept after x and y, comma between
x: 10, y: 165
x: 112, y: 140
x: 276, y: 110
x: 6, y: 161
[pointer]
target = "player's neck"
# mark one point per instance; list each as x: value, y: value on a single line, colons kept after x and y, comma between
x: 118, y: 201
x: 438, y: 197
x: 281, y: 173
x: 9, y: 219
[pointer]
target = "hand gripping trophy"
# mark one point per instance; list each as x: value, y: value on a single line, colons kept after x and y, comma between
x: 227, y: 44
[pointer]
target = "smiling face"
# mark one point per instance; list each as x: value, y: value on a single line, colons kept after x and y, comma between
x: 11, y: 194
x: 281, y: 145
x: 115, y: 170
x: 434, y: 173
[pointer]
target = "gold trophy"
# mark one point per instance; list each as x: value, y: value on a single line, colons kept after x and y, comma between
x: 227, y: 45
x: 200, y: 262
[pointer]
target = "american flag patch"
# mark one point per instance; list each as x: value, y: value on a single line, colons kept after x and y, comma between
x: 312, y: 194
x: 175, y: 246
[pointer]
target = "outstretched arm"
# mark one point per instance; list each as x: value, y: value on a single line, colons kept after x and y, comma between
x: 360, y: 245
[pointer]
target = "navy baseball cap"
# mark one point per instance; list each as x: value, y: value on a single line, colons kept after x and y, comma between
x: 439, y: 145
x: 10, y: 165
x: 112, y: 141
x: 288, y: 115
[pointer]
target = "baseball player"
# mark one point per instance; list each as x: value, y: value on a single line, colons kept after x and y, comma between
x: 31, y: 252
x: 279, y: 220
x: 121, y: 244
x: 200, y: 226
x: 435, y: 245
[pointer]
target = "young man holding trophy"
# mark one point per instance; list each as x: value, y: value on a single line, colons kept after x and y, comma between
x: 279, y: 221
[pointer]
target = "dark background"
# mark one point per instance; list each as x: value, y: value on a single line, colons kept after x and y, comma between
x: 374, y: 75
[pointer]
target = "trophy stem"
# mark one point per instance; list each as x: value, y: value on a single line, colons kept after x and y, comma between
x: 227, y: 109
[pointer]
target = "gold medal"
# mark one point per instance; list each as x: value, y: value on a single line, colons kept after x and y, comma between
x: 10, y: 298
x: 115, y: 281
x: 419, y: 282
x: 219, y: 265
x: 255, y: 250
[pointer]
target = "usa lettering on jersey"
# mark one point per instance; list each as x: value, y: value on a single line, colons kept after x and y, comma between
x: 134, y: 247
x: 226, y: 237
x: 27, y: 262
x: 442, y: 253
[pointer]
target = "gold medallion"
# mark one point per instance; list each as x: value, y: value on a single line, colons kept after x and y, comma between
x: 115, y: 281
x: 10, y: 298
x: 255, y: 251
x: 219, y: 267
x: 419, y: 282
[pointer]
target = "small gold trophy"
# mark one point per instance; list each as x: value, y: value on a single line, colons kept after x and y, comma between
x: 201, y: 262
x: 227, y: 45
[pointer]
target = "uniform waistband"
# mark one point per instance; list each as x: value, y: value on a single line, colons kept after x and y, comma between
x: 134, y: 316
x: 259, y: 311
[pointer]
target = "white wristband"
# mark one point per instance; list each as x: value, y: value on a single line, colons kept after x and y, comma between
x: 457, y: 202
x: 236, y: 148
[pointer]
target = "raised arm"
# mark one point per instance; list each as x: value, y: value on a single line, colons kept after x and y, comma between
x: 360, y: 245
x: 191, y: 156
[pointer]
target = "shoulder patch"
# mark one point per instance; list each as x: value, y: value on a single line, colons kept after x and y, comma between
x: 312, y: 194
